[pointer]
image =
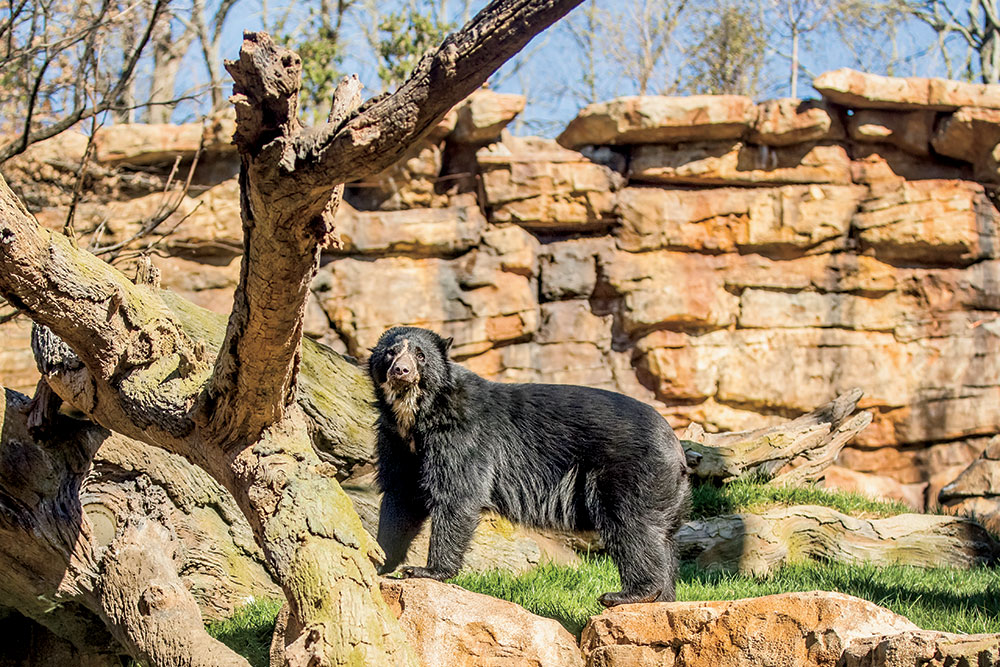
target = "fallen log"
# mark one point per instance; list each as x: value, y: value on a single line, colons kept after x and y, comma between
x: 788, y: 454
x: 762, y: 543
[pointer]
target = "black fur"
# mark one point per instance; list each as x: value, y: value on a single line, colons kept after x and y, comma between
x: 557, y: 456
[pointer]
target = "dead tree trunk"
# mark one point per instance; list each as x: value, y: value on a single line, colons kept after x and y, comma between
x: 234, y: 413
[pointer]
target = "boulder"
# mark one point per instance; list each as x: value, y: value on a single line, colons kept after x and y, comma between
x: 971, y: 135
x: 729, y: 163
x: 861, y: 90
x: 803, y: 629
x: 571, y: 346
x: 908, y: 130
x: 471, y: 299
x: 568, y: 269
x: 483, y: 115
x: 448, y: 625
x: 658, y: 120
x: 923, y: 647
x: 670, y: 288
x: 762, y: 543
x: 770, y: 309
x: 763, y: 364
x: 789, y: 121
x: 879, y: 164
x: 981, y: 478
x: 939, y: 463
x: 976, y: 490
x: 838, y: 272
x: 965, y: 134
x: 513, y: 248
x: 541, y: 186
x: 145, y: 144
x: 410, y: 182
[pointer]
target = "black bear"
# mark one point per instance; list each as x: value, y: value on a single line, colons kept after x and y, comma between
x: 451, y: 444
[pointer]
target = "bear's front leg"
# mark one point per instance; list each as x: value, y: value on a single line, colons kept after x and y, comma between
x: 400, y: 517
x: 452, y: 527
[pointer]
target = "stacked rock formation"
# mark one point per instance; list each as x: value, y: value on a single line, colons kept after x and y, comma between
x: 731, y: 263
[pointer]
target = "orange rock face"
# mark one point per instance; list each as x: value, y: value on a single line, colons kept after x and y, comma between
x: 803, y: 629
x: 659, y: 120
x: 726, y: 261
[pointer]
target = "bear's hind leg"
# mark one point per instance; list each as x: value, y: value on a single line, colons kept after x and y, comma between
x: 642, y: 559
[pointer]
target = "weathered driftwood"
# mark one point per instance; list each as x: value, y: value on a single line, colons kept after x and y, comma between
x: 789, y: 453
x: 762, y: 543
x: 94, y: 530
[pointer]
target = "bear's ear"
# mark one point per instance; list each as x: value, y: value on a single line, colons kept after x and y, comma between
x: 446, y: 344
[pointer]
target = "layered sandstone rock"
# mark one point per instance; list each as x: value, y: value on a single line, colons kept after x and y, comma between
x: 544, y: 187
x: 871, y: 91
x: 481, y: 117
x: 976, y: 490
x: 803, y: 629
x: 731, y: 263
x: 788, y: 121
x: 448, y: 625
x: 657, y: 120
x: 876, y: 486
x: 727, y: 163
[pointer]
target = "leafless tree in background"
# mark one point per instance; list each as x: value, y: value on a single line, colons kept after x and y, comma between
x: 978, y: 28
x: 59, y: 64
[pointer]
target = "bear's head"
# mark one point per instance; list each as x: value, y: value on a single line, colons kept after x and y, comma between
x: 406, y: 364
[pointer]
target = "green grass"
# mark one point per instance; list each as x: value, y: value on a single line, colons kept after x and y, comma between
x: 248, y: 631
x: 753, y: 496
x: 939, y: 599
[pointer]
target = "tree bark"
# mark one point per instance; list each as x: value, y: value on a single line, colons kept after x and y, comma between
x: 237, y: 418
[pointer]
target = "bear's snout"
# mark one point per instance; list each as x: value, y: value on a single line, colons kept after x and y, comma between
x: 404, y: 368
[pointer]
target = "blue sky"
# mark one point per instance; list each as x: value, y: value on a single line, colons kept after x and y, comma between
x: 550, y: 64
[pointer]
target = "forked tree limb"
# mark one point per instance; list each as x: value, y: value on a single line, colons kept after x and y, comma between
x: 149, y: 378
x: 384, y: 128
x: 289, y: 180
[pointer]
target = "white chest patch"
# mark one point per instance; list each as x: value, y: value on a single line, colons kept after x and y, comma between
x: 404, y: 406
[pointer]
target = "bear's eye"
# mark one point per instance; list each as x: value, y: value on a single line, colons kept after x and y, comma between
x: 420, y: 356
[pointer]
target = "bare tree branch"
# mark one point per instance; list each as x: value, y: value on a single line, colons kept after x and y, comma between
x: 82, y: 112
x: 289, y: 176
x: 386, y: 126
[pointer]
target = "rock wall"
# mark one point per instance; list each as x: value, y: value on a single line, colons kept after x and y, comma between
x: 731, y: 263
